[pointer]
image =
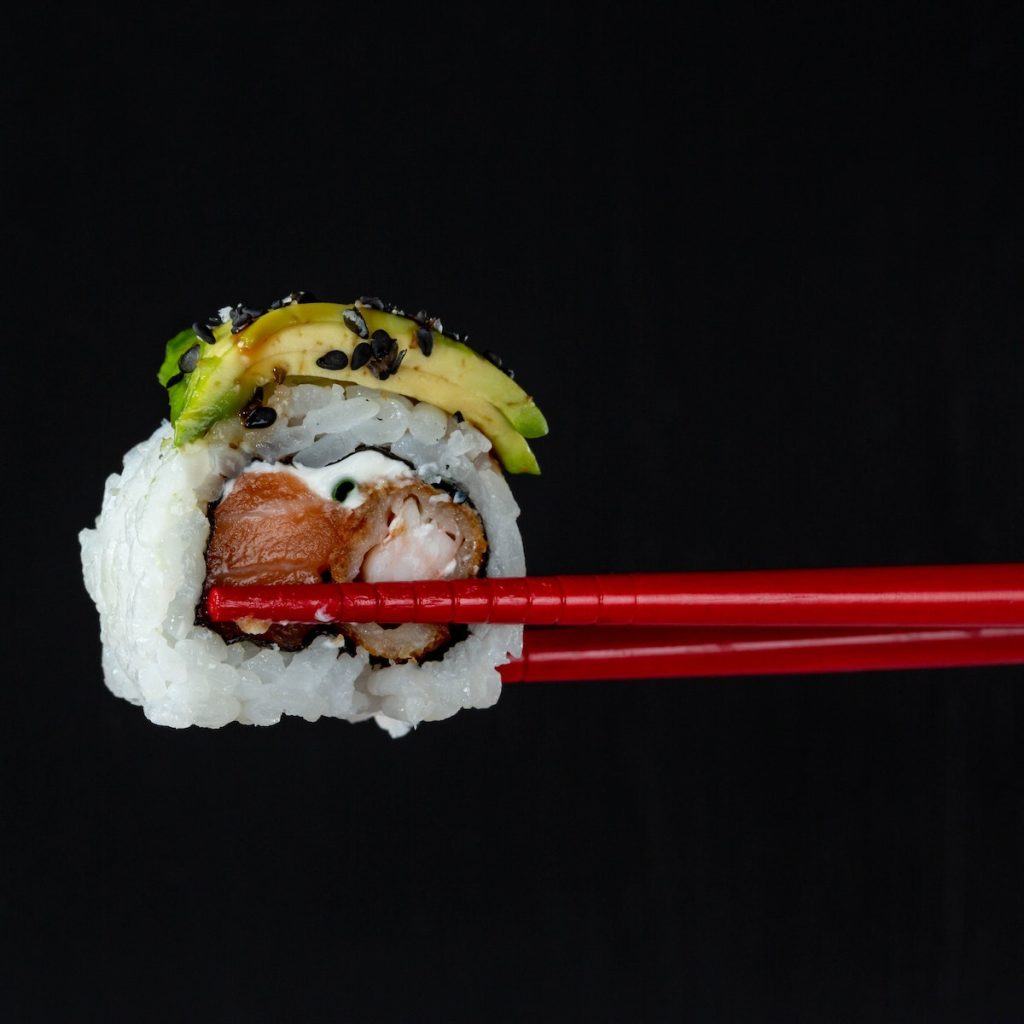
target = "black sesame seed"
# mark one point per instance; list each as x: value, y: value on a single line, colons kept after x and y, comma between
x: 420, y: 317
x: 355, y: 323
x: 371, y: 302
x: 260, y: 417
x: 425, y: 339
x: 459, y: 418
x: 242, y: 317
x: 333, y: 360
x: 343, y: 489
x: 292, y: 299
x: 382, y: 344
x: 176, y: 379
x: 379, y: 372
x: 361, y: 355
x: 189, y: 360
x: 214, y: 320
x: 493, y: 357
x: 396, y: 361
x: 202, y: 330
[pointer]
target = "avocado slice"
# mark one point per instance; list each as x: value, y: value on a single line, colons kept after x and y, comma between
x: 285, y: 344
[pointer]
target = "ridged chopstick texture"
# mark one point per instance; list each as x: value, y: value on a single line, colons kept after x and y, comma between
x: 961, y: 596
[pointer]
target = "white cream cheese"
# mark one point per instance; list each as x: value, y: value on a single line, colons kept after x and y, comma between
x: 362, y: 469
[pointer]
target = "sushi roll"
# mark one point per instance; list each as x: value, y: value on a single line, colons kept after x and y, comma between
x: 311, y: 442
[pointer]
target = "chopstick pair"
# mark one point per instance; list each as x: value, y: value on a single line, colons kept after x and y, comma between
x: 694, y: 624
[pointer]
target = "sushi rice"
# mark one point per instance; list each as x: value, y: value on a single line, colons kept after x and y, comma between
x: 145, y: 568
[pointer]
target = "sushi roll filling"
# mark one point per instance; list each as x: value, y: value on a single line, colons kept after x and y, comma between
x: 367, y: 518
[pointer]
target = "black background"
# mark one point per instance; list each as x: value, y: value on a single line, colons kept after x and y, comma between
x: 764, y: 277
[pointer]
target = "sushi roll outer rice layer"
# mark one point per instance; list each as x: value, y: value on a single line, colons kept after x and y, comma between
x: 144, y: 567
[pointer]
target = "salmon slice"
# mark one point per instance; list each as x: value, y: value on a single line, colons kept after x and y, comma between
x: 272, y: 527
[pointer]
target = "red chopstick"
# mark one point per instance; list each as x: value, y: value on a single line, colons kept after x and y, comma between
x: 560, y: 655
x: 729, y: 623
x: 954, y: 595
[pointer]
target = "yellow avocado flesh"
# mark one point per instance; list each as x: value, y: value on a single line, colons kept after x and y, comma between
x: 286, y: 343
